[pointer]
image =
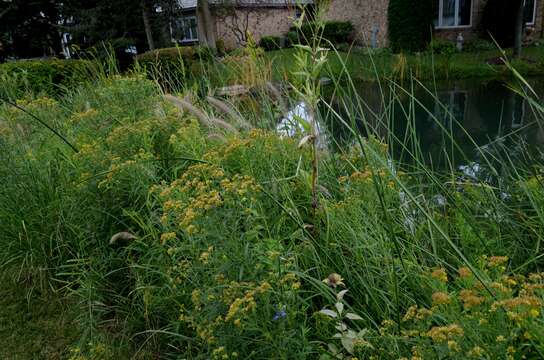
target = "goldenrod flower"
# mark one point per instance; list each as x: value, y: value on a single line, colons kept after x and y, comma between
x: 441, y: 298
x: 470, y: 298
x: 464, y: 272
x: 444, y: 333
x: 496, y: 261
x: 476, y: 352
x: 440, y: 274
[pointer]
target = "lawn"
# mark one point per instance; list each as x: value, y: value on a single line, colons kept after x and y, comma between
x: 362, y: 65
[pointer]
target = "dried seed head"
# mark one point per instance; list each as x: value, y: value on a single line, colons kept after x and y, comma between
x: 334, y: 280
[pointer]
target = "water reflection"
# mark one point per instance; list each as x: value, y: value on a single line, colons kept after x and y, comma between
x: 450, y: 122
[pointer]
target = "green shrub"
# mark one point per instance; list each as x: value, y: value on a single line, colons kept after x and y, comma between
x: 204, y: 53
x: 41, y: 76
x: 221, y: 47
x: 480, y: 45
x: 292, y: 38
x: 410, y: 24
x: 337, y: 32
x: 171, y: 66
x: 167, y: 55
x: 269, y: 43
x: 442, y: 47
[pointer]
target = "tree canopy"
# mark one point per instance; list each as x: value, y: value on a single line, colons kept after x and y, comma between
x: 29, y: 28
x: 32, y: 28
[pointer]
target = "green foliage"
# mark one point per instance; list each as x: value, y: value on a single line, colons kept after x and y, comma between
x: 269, y: 43
x: 168, y: 55
x: 228, y: 254
x: 410, y: 24
x: 479, y: 45
x: 369, y: 65
x: 442, y: 47
x: 29, y: 28
x: 41, y: 76
x: 221, y: 47
x: 337, y: 32
x: 171, y: 67
x: 35, y: 325
x: 292, y: 38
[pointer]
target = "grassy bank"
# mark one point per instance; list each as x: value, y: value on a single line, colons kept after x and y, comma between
x: 34, y: 325
x: 362, y: 65
x: 185, y: 227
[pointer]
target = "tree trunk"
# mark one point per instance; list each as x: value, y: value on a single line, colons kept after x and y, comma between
x: 206, y: 34
x: 147, y: 24
x: 518, y: 36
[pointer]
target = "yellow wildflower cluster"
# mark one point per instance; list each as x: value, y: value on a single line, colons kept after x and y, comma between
x: 84, y: 116
x: 470, y: 298
x: 205, y: 256
x: 246, y: 304
x: 221, y: 353
x: 499, y: 287
x: 464, y: 272
x: 387, y: 327
x: 445, y: 333
x: 87, y: 149
x: 202, y: 188
x: 167, y: 236
x: 416, y: 313
x: 519, y: 307
x: 476, y: 352
x: 291, y: 280
x: 497, y: 261
x: 41, y: 102
x: 441, y: 298
x: 440, y: 275
x: 130, y: 167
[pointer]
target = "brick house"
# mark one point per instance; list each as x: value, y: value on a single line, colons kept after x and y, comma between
x: 464, y: 16
x: 275, y: 17
x: 232, y: 23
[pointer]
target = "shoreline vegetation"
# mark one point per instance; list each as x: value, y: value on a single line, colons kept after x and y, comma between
x: 369, y: 65
x: 180, y: 224
x: 174, y: 67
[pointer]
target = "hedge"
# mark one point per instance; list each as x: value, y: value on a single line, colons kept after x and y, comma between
x: 43, y: 76
x: 337, y: 32
x: 410, y: 24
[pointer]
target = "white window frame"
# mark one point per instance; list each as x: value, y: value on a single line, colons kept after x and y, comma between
x: 533, y: 23
x: 194, y: 36
x: 441, y: 12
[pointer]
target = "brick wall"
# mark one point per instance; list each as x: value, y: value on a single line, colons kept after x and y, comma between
x: 260, y: 22
x: 537, y: 31
x: 364, y: 15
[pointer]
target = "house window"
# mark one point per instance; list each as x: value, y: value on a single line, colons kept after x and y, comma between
x: 530, y: 12
x: 185, y: 29
x: 454, y: 13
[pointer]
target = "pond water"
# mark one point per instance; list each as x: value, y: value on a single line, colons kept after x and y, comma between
x: 475, y: 114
